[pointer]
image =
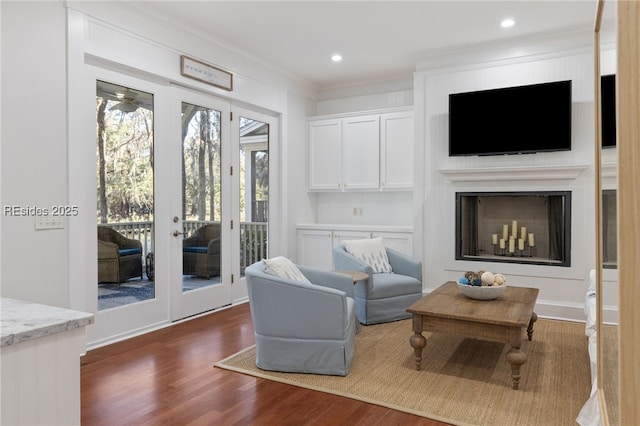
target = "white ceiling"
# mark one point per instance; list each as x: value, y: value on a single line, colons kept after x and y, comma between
x: 377, y: 39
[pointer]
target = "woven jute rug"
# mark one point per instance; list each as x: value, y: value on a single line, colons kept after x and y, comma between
x: 462, y: 381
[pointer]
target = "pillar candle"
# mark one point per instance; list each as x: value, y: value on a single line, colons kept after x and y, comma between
x: 521, y: 244
x: 514, y: 228
x: 532, y: 241
x: 512, y: 244
x: 502, y: 243
x: 523, y: 232
x: 505, y: 232
x: 494, y: 239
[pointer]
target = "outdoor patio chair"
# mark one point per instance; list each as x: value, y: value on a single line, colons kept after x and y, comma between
x: 201, y: 252
x: 119, y: 257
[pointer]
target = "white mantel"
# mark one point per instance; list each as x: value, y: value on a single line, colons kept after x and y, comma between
x: 524, y: 173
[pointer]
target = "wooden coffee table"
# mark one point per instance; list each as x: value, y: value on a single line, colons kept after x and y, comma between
x: 446, y: 310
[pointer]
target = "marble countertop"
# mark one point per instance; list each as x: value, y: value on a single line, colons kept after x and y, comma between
x: 21, y: 321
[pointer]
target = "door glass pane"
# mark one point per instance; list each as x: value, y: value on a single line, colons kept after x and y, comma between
x: 254, y: 190
x: 124, y: 169
x: 201, y: 195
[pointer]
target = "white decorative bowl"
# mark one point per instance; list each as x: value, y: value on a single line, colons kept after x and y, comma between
x: 481, y: 293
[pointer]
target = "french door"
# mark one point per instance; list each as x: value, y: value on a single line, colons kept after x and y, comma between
x: 186, y: 175
x: 127, y: 163
x: 201, y: 223
x: 220, y: 199
x: 256, y: 170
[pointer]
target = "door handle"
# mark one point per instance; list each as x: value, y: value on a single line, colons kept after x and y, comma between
x: 177, y: 233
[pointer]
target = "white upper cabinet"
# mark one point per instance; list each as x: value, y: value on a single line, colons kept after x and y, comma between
x: 361, y: 152
x: 396, y: 148
x: 325, y: 155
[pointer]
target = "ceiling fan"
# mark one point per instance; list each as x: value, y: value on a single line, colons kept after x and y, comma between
x: 127, y: 102
x: 123, y: 98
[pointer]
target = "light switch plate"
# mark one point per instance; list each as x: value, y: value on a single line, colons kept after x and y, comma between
x: 49, y: 222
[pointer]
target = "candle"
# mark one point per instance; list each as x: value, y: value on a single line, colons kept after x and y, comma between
x: 505, y: 232
x: 523, y: 232
x: 532, y: 241
x: 494, y: 239
x: 502, y: 243
x: 521, y: 244
x: 514, y: 228
x: 512, y: 243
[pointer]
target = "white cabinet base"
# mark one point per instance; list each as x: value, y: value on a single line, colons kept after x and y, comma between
x: 41, y: 380
x: 316, y: 242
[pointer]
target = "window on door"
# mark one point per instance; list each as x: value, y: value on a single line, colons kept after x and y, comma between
x: 125, y: 203
x: 201, y: 196
x: 254, y: 190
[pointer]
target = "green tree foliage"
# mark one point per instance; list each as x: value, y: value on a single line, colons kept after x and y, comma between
x: 201, y: 164
x: 124, y: 163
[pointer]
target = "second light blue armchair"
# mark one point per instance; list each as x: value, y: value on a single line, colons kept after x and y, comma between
x: 302, y: 327
x: 383, y: 297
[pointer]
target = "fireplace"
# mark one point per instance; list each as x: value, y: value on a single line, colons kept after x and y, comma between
x: 514, y: 227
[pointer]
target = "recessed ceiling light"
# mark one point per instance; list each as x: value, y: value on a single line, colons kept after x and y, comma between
x: 507, y: 23
x: 336, y: 58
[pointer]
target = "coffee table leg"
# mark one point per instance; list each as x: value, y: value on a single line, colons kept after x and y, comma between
x: 534, y: 318
x: 515, y: 357
x: 418, y: 341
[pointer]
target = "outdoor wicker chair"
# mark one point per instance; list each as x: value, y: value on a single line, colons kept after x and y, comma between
x: 201, y: 252
x: 119, y: 257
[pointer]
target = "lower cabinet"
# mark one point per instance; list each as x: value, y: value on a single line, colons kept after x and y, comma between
x: 316, y: 243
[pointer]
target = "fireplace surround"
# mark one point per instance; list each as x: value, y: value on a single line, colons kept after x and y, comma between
x: 514, y: 227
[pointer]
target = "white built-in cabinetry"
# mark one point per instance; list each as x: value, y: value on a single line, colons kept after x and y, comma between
x: 368, y: 151
x: 316, y: 241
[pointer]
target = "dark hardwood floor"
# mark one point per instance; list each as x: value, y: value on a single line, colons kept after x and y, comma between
x: 167, y: 378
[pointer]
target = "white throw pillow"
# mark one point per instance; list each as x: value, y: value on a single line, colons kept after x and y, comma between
x: 282, y: 267
x: 371, y: 251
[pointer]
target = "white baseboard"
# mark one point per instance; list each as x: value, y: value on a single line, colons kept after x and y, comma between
x: 153, y: 327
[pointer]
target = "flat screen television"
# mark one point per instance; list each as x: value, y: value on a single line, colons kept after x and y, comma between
x: 608, y: 102
x: 511, y: 120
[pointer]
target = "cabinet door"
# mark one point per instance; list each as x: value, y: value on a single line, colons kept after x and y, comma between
x: 314, y: 248
x: 361, y: 152
x: 340, y: 236
x: 325, y: 148
x: 396, y: 145
x: 401, y: 241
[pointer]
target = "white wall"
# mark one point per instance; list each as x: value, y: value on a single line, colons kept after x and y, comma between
x: 34, y: 149
x: 371, y: 96
x: 300, y: 207
x: 562, y: 289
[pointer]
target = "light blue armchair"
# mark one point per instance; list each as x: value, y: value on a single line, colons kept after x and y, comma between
x: 301, y: 327
x: 383, y: 297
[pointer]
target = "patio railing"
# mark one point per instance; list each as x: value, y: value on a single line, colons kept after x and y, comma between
x: 253, y: 237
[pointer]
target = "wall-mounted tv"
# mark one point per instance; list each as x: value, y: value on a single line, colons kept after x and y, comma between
x: 608, y: 102
x: 511, y: 120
